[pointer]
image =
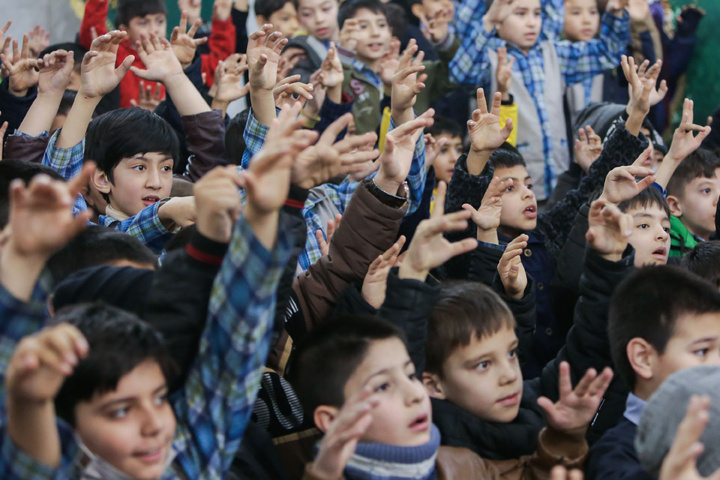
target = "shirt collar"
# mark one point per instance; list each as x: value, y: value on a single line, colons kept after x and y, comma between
x: 633, y: 408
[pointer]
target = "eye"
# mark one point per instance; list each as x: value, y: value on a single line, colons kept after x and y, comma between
x: 413, y: 377
x: 666, y: 229
x: 166, y: 168
x: 702, y: 352
x: 382, y: 387
x: 118, y: 413
x: 643, y: 226
x: 327, y: 9
x: 444, y: 149
x: 513, y: 353
x: 139, y: 168
x: 161, y: 399
x: 529, y: 186
x: 509, y: 189
x: 706, y: 191
x: 482, y: 366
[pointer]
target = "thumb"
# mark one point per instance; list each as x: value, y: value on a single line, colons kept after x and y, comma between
x: 125, y: 66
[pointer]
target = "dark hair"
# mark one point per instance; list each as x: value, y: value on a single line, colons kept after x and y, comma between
x: 66, y: 102
x: 649, y: 197
x: 445, y: 126
x: 268, y: 7
x: 78, y: 52
x: 463, y: 310
x: 648, y: 304
x: 125, y: 133
x: 702, y: 163
x: 704, y: 261
x: 119, y: 341
x: 129, y: 9
x: 10, y: 169
x: 234, y: 139
x: 506, y: 156
x: 397, y: 18
x: 349, y: 8
x: 328, y: 356
x: 97, y: 245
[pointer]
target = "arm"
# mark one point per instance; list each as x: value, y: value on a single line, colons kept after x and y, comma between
x: 221, y: 40
x: 94, y: 18
x: 263, y: 55
x: 147, y: 226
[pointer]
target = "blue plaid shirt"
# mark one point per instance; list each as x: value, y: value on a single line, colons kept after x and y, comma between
x: 578, y: 61
x: 216, y: 401
x: 145, y: 226
x: 254, y: 135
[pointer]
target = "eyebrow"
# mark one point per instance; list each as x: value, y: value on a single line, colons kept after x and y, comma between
x: 704, y: 340
x: 130, y: 399
x: 383, y: 372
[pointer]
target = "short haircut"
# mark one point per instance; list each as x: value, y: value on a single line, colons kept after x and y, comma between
x: 268, y: 7
x: 66, y: 102
x: 702, y: 163
x: 463, y: 310
x: 78, y: 52
x: 397, y: 18
x: 125, y: 133
x: 234, y: 139
x: 329, y: 355
x: 97, y: 245
x: 349, y: 8
x: 649, y: 197
x: 648, y: 305
x: 10, y: 169
x: 506, y: 156
x: 129, y: 9
x: 445, y: 126
x: 119, y: 341
x: 704, y: 261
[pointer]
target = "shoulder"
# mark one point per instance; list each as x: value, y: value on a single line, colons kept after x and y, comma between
x: 461, y: 463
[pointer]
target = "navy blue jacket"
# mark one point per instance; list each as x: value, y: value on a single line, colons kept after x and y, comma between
x: 613, y: 457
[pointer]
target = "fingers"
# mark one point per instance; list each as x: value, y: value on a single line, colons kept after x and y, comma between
x: 481, y: 102
x: 194, y: 28
x: 80, y: 181
x: 497, y: 99
x: 333, y: 130
x: 439, y: 209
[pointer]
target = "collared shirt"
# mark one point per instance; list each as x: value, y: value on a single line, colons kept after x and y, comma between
x: 578, y: 61
x: 216, y: 401
x: 634, y: 406
x: 254, y: 135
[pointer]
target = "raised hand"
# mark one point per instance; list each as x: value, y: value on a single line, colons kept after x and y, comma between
x: 147, y: 99
x: 429, y: 248
x: 432, y: 149
x: 616, y: 7
x: 620, y: 183
x: 638, y: 9
x: 227, y: 86
x: 389, y: 63
x: 348, y: 34
x: 497, y: 13
x: 504, y: 72
x: 285, y: 91
x: 98, y: 74
x: 217, y: 203
x: 263, y: 55
x: 22, y: 68
x: 657, y: 94
x: 484, y: 128
x: 684, y: 142
x: 587, y: 148
x: 609, y: 229
x: 331, y: 71
x: 183, y: 42
x: 487, y: 216
x: 55, y: 71
x: 161, y: 64
x: 639, y: 87
x: 406, y: 84
x: 375, y: 282
x: 576, y: 407
x: 221, y: 9
x: 39, y: 40
x: 332, y: 225
x: 510, y: 268
x: 435, y: 25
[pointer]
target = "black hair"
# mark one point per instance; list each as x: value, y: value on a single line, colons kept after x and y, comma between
x: 66, y: 102
x: 268, y: 7
x: 648, y: 197
x: 78, y: 52
x: 10, y: 169
x: 648, y: 305
x: 349, y: 8
x: 397, y: 18
x: 119, y: 341
x: 506, y: 156
x: 97, y: 245
x: 125, y: 133
x: 464, y: 310
x: 445, y: 126
x: 234, y: 139
x: 329, y: 355
x: 702, y: 163
x: 129, y: 9
x: 704, y: 261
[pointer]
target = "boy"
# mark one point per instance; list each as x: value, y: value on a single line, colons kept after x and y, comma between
x: 678, y: 327
x: 319, y: 18
x: 451, y: 133
x: 582, y: 23
x: 146, y: 17
x: 280, y: 13
x: 543, y: 66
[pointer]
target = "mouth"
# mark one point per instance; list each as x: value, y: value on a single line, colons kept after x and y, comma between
x: 322, y: 31
x: 660, y: 254
x: 530, y: 35
x: 530, y: 211
x: 510, y: 400
x: 152, y: 456
x: 588, y: 32
x: 421, y: 423
x: 150, y: 199
x: 375, y: 46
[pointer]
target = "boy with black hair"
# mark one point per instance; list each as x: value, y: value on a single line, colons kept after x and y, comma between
x: 450, y: 135
x: 319, y: 18
x: 704, y: 261
x: 280, y: 13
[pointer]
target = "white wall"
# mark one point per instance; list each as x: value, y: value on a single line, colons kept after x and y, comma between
x: 56, y: 15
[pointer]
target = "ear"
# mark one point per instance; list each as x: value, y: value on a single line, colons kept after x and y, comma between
x: 101, y: 182
x: 641, y: 357
x: 675, y: 206
x: 418, y: 10
x: 324, y: 416
x: 433, y: 385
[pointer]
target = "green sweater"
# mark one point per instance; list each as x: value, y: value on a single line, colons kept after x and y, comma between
x: 681, y: 239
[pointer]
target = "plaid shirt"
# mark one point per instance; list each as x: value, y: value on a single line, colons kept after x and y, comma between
x: 339, y: 195
x: 216, y: 401
x: 145, y: 226
x: 578, y: 61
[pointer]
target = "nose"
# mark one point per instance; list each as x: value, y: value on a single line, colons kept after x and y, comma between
x: 414, y: 391
x: 662, y: 234
x: 153, y: 178
x: 527, y: 193
x: 508, y: 373
x: 318, y: 17
x: 151, y: 424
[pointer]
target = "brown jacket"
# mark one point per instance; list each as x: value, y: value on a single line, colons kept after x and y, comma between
x: 29, y: 149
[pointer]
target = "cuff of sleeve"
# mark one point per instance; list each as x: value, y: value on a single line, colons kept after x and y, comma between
x: 396, y: 201
x: 562, y: 446
x: 205, y: 250
x: 446, y: 42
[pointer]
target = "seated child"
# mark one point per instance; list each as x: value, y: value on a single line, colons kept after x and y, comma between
x: 280, y: 13
x: 662, y: 319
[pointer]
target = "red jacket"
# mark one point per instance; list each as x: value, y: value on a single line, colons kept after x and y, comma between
x: 221, y: 44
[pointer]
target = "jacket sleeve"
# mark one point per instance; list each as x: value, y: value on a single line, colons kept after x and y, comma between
x: 369, y: 227
x: 27, y: 148
x: 523, y: 309
x: 554, y: 448
x: 15, y: 108
x: 95, y: 15
x: 205, y: 135
x: 221, y: 43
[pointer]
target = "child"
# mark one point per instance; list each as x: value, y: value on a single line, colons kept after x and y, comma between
x: 319, y: 18
x: 450, y: 133
x: 678, y: 326
x: 280, y: 13
x: 542, y: 67
x: 582, y: 23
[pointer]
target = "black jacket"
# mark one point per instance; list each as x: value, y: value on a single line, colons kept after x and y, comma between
x: 613, y: 457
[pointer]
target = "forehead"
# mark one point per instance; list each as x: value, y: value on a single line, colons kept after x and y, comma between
x: 288, y: 9
x: 141, y: 381
x: 518, y: 171
x: 386, y: 354
x: 584, y: 3
x: 650, y: 211
x: 531, y: 4
x: 316, y: 3
x: 693, y: 326
x: 365, y: 14
x: 700, y: 180
x: 150, y: 16
x: 486, y: 345
x: 451, y: 138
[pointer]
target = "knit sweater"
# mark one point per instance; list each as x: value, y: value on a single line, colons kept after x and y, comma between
x: 682, y: 240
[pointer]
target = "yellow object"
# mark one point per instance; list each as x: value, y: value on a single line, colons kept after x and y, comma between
x: 384, y: 126
x: 510, y: 111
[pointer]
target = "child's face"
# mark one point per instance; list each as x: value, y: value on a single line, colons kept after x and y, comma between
x: 430, y: 8
x: 284, y: 20
x: 373, y: 36
x: 650, y: 236
x: 522, y: 26
x: 582, y: 20
x: 698, y: 205
x: 519, y: 206
x: 152, y: 23
x: 403, y: 416
x: 446, y: 159
x: 319, y: 18
x: 141, y: 181
x: 132, y: 427
x: 484, y: 377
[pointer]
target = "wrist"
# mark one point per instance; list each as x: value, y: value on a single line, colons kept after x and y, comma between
x: 174, y: 81
x: 263, y: 223
x: 408, y: 272
x: 387, y: 185
x: 488, y: 236
x: 17, y: 93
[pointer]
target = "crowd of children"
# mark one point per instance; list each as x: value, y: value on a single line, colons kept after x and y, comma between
x: 280, y: 254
